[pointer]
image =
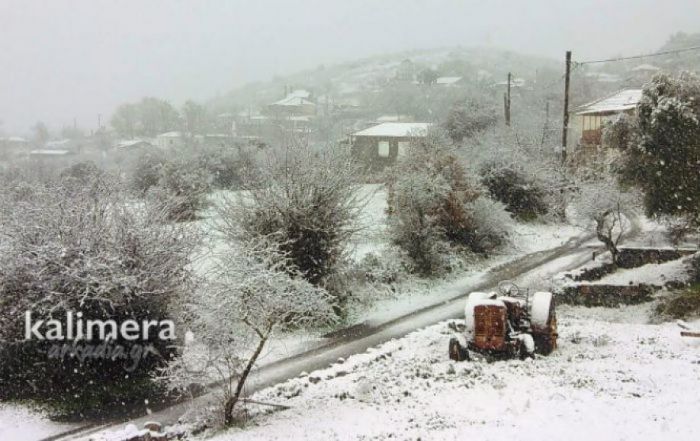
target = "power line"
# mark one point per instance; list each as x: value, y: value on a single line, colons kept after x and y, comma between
x: 655, y: 54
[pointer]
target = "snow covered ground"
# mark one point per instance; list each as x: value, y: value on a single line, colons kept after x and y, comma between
x: 614, y: 377
x: 20, y: 423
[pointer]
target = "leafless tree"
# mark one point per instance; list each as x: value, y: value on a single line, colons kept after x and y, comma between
x: 253, y: 296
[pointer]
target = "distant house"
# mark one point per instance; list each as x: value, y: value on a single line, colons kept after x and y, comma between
x: 170, y: 140
x: 132, y: 144
x: 296, y: 103
x: 591, y: 117
x: 379, y: 146
x: 643, y: 72
x: 449, y: 81
x: 393, y: 118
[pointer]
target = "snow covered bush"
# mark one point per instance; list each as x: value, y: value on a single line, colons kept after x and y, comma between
x: 83, y: 173
x: 227, y: 165
x: 522, y: 195
x: 84, y: 249
x: 146, y: 172
x: 435, y: 204
x: 182, y: 189
x: 307, y: 201
x: 256, y: 293
x: 467, y: 119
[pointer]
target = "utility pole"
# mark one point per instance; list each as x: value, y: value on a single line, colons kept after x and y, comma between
x: 506, y: 101
x: 565, y: 129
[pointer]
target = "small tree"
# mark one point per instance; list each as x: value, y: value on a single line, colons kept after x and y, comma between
x: 610, y: 207
x: 254, y: 296
x: 665, y: 164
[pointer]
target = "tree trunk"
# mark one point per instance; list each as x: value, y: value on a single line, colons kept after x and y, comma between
x: 231, y: 402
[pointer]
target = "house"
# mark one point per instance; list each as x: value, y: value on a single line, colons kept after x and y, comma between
x: 170, y: 140
x: 132, y: 144
x: 642, y: 73
x: 380, y: 145
x: 393, y: 118
x: 449, y: 81
x: 591, y: 117
x: 296, y: 103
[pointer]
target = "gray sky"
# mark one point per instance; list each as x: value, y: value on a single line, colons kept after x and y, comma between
x: 62, y: 59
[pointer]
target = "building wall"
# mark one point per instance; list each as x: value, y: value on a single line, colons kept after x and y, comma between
x: 379, y: 152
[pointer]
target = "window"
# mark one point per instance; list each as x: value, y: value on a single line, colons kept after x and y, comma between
x: 383, y: 149
x: 403, y: 148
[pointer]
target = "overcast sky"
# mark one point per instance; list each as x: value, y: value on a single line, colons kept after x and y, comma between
x: 62, y: 59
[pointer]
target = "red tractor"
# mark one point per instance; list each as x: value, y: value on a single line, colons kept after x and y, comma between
x: 507, y: 324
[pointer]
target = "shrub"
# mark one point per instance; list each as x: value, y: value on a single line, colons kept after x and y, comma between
x: 83, y: 173
x: 71, y: 250
x: 227, y: 165
x: 684, y: 304
x: 182, y: 190
x: 522, y: 196
x: 434, y: 204
x: 307, y: 202
x: 146, y: 173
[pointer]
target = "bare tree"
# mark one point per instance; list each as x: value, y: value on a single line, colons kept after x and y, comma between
x: 611, y: 207
x: 253, y: 296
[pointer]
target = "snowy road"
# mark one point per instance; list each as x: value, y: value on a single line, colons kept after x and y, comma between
x: 531, y: 270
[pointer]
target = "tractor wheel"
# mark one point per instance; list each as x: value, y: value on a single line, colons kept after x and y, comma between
x: 544, y: 322
x: 457, y: 351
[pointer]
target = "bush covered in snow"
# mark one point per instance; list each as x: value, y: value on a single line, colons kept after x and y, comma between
x: 83, y: 249
x: 522, y: 195
x: 468, y: 119
x: 146, y: 172
x: 227, y: 166
x: 180, y: 185
x: 434, y: 204
x: 308, y: 202
x: 182, y: 189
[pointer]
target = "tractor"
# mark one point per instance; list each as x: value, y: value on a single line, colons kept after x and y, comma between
x: 506, y: 324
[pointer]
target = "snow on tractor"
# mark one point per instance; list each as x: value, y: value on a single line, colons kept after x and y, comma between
x: 507, y: 324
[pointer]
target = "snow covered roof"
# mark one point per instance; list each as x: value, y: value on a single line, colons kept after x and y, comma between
x: 299, y: 93
x: 396, y: 130
x: 645, y: 68
x: 292, y: 100
x: 124, y: 144
x: 49, y: 152
x: 13, y: 139
x: 393, y: 118
x: 619, y: 102
x: 447, y: 80
x: 170, y: 135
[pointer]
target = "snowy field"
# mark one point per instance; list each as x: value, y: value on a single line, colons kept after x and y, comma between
x: 614, y: 377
